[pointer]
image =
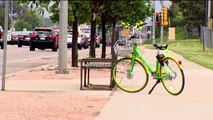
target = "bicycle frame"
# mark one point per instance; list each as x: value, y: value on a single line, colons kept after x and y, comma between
x: 137, y: 54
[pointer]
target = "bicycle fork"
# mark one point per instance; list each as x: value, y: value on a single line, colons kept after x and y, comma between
x: 131, y: 67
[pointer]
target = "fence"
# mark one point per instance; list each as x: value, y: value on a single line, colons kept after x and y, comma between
x: 206, y: 37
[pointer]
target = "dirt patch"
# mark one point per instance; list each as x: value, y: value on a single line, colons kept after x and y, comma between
x: 51, y: 105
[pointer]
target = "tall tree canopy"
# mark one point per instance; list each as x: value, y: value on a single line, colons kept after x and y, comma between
x: 22, y: 14
x: 190, y: 13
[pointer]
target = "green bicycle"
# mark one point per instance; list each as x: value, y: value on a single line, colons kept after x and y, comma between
x: 131, y: 73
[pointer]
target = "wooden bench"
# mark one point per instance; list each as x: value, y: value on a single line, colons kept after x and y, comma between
x: 93, y: 63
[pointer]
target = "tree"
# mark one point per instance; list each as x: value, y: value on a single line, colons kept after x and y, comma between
x: 22, y: 14
x: 20, y: 24
x: 33, y: 19
x: 79, y: 9
x: 176, y: 16
x: 111, y: 11
x: 94, y: 12
x: 130, y: 11
x: 193, y: 12
x: 2, y: 6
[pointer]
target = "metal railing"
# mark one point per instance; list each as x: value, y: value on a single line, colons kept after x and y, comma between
x: 206, y: 37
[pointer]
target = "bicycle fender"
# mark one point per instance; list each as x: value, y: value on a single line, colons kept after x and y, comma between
x: 140, y: 62
x: 176, y: 60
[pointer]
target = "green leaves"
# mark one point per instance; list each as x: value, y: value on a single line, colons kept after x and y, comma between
x: 190, y: 13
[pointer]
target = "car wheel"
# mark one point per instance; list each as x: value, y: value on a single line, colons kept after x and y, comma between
x: 97, y: 45
x: 79, y: 46
x: 86, y: 46
x: 19, y: 44
x: 32, y: 48
x: 54, y: 48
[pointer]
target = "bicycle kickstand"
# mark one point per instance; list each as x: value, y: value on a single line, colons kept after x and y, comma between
x: 158, y: 81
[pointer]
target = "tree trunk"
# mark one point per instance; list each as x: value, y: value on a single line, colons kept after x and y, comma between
x: 93, y: 33
x: 74, y: 39
x: 114, y: 30
x: 103, y: 21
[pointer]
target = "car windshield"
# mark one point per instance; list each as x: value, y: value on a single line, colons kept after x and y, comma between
x: 26, y: 32
x: 43, y: 31
x: 16, y: 32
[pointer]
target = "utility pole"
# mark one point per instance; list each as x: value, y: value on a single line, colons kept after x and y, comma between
x: 153, y: 24
x: 12, y: 15
x: 209, y: 14
x: 63, y: 24
x: 161, y: 28
x: 4, y: 63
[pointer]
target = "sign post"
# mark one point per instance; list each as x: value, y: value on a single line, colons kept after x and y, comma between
x: 4, y: 63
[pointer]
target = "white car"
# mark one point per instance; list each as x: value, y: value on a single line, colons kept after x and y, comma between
x: 69, y: 39
x: 82, y: 40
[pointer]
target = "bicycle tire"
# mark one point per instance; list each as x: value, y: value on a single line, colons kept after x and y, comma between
x: 133, y: 83
x: 174, y: 83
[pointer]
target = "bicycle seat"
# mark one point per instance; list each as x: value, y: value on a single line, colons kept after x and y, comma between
x: 160, y: 47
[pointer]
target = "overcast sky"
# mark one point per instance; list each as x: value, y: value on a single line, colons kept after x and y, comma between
x: 158, y: 5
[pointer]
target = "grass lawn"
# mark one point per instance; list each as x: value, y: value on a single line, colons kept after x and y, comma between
x: 193, y: 51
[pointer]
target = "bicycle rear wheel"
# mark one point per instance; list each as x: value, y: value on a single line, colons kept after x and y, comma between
x: 174, y: 77
x: 128, y: 81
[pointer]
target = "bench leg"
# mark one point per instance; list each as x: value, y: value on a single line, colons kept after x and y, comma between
x: 81, y: 78
x: 85, y: 71
x: 88, y: 76
x: 112, y: 83
x: 111, y: 80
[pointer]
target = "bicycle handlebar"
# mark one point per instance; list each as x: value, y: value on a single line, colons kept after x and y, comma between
x: 161, y: 47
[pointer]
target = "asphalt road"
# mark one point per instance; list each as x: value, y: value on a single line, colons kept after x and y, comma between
x: 21, y: 58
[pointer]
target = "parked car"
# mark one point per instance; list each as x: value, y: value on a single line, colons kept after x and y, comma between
x: 1, y: 43
x: 82, y: 40
x: 69, y: 39
x: 24, y: 38
x: 12, y: 37
x: 97, y: 41
x: 87, y: 34
x: 42, y: 38
x: 2, y: 39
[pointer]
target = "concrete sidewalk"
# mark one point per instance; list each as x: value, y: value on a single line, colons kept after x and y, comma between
x: 195, y: 103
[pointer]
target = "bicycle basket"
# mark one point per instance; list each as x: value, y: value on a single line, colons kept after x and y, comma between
x: 123, y: 49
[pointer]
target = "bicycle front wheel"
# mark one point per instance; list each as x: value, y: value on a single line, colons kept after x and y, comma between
x: 128, y: 81
x: 173, y: 76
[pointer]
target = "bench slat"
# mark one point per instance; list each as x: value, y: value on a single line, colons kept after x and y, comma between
x: 97, y: 65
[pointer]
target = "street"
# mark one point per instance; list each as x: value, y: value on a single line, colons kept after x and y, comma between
x: 21, y: 58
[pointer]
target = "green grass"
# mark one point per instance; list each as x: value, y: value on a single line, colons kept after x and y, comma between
x: 180, y: 35
x: 193, y: 51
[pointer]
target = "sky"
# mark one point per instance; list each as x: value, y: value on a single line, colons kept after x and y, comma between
x: 158, y: 5
x: 158, y: 8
